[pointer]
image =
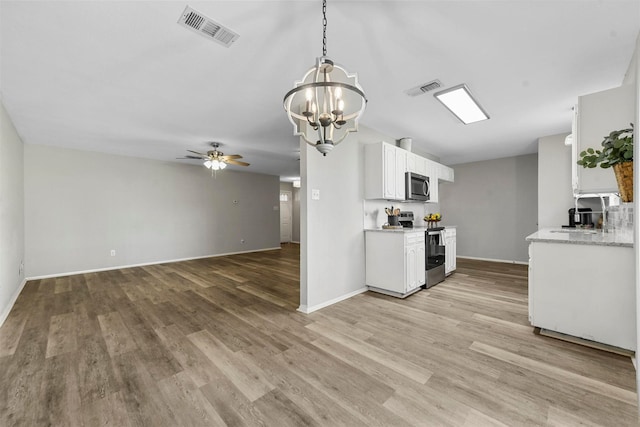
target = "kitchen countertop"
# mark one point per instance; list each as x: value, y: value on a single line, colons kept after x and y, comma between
x: 582, y: 237
x: 397, y: 230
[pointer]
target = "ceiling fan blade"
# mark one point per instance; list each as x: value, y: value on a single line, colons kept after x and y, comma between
x: 231, y: 156
x: 190, y: 157
x: 199, y: 154
x: 236, y: 162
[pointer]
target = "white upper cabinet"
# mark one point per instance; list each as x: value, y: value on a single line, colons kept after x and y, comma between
x: 445, y: 173
x: 401, y: 169
x: 596, y: 116
x: 432, y: 173
x: 411, y: 163
x: 385, y: 168
x: 385, y: 165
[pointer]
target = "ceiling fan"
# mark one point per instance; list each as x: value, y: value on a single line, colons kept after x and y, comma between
x: 214, y: 159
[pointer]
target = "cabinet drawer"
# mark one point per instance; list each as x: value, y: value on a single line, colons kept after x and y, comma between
x: 414, y: 238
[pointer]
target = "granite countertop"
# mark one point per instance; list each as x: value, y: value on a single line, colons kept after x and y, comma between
x: 398, y: 230
x: 578, y: 236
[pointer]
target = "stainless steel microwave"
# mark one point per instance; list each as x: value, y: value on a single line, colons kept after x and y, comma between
x: 416, y: 187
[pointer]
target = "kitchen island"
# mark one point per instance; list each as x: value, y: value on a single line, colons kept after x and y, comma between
x: 581, y: 283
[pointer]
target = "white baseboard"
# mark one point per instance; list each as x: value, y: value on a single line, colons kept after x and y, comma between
x: 306, y: 310
x: 96, y: 270
x: 508, y: 261
x: 12, y: 301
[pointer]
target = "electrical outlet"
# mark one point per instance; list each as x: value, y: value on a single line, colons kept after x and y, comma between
x: 113, y: 252
x: 315, y: 194
x: 21, y: 269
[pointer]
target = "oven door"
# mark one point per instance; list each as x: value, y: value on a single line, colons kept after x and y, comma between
x: 435, y: 257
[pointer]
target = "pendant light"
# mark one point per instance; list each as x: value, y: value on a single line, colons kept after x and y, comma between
x: 327, y: 103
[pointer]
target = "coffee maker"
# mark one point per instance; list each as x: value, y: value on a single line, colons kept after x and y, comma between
x: 582, y: 219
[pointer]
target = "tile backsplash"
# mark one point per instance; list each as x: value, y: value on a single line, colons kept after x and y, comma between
x: 620, y: 218
x: 374, y: 215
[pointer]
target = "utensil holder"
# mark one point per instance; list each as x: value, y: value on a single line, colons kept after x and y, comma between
x: 393, y: 219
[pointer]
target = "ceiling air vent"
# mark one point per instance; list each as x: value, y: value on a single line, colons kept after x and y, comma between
x: 423, y: 88
x: 206, y: 27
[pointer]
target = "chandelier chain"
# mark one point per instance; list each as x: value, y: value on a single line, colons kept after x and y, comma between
x: 324, y: 27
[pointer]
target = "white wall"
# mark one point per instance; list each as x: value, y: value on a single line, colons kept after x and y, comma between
x: 332, y: 237
x: 12, y: 240
x: 494, y: 204
x: 80, y: 205
x: 555, y: 195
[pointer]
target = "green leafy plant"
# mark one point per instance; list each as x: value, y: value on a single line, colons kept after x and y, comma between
x: 617, y: 147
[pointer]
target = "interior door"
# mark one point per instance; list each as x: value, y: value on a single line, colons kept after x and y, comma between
x: 286, y: 208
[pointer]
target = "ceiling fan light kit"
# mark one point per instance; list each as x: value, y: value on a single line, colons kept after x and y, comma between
x: 216, y: 160
x: 327, y: 103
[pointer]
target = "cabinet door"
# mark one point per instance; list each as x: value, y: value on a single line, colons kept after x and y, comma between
x: 411, y: 163
x: 598, y: 115
x: 410, y: 273
x: 450, y: 251
x: 421, y: 165
x: 421, y: 263
x: 432, y: 173
x: 401, y: 168
x: 389, y: 165
x: 574, y: 150
x: 454, y: 252
x: 445, y: 173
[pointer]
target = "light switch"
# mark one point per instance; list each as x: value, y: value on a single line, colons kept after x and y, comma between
x: 315, y: 194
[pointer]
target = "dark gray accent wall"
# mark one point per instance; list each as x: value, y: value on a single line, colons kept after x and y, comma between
x: 494, y: 203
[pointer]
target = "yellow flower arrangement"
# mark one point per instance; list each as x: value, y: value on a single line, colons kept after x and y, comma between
x: 433, y: 217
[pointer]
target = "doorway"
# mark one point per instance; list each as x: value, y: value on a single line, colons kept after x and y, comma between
x: 286, y: 210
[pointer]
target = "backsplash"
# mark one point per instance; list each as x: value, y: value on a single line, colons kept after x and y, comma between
x: 620, y: 218
x: 374, y: 215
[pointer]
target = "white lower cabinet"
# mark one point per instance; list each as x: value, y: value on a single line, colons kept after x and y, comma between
x: 586, y: 291
x: 449, y: 250
x: 395, y: 261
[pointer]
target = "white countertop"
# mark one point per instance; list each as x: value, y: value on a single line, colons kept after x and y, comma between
x: 405, y: 230
x: 398, y: 230
x: 582, y: 237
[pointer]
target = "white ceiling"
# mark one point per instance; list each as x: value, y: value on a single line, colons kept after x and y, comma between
x: 125, y: 78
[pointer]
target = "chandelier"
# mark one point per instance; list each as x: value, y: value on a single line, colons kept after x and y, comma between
x: 327, y: 103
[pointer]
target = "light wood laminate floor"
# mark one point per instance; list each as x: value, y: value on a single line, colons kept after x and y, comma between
x: 218, y: 342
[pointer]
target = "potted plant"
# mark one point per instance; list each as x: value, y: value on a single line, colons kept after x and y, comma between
x: 617, y: 152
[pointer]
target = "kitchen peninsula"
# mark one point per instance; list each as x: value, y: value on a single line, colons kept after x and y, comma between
x: 581, y: 283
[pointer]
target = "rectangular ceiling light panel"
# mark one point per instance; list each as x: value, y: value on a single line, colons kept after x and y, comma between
x: 206, y: 27
x: 461, y: 103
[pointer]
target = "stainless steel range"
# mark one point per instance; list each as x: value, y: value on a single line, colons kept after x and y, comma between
x: 406, y: 219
